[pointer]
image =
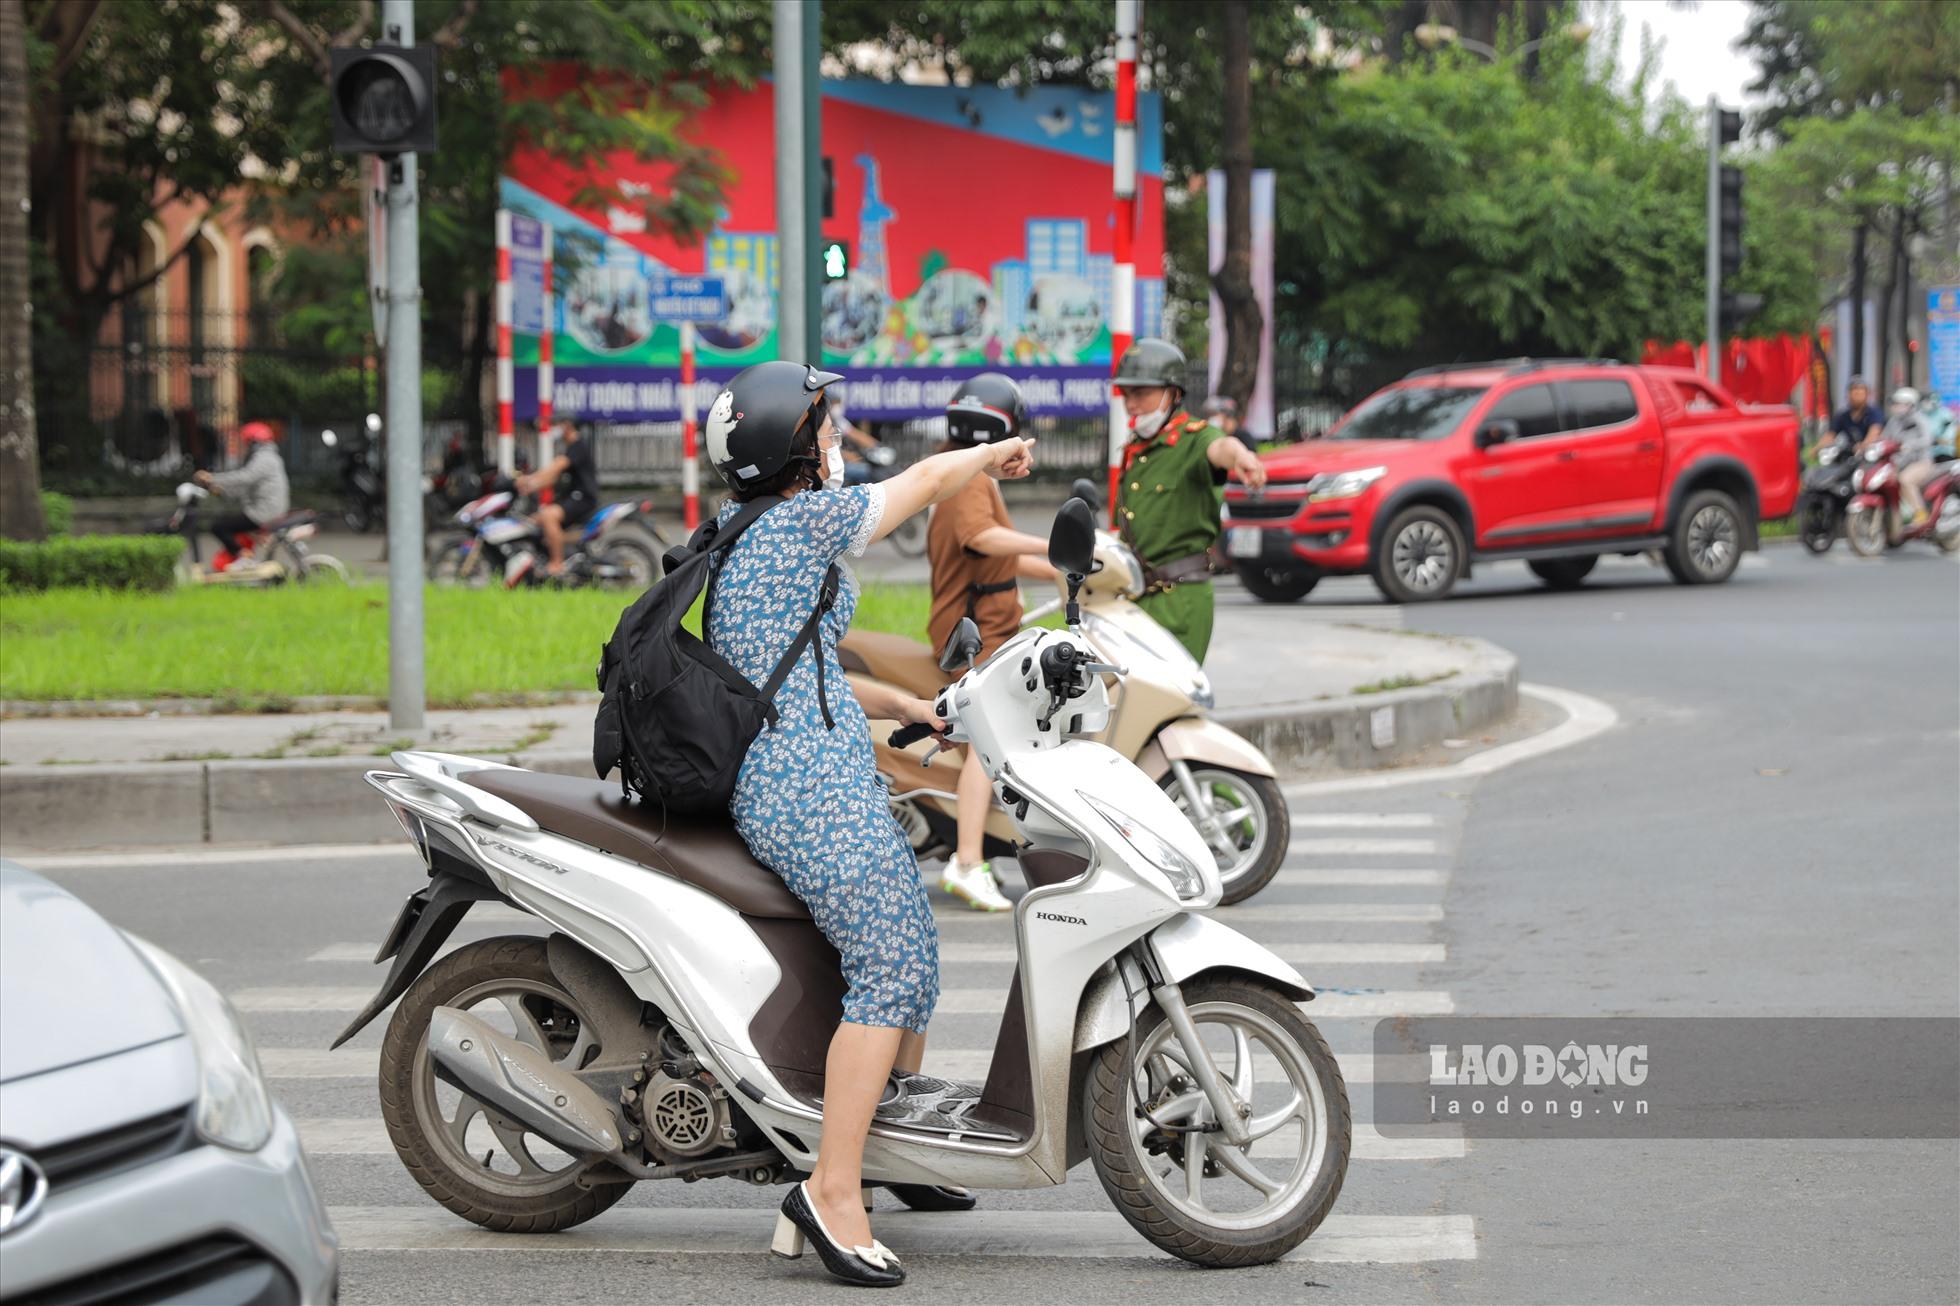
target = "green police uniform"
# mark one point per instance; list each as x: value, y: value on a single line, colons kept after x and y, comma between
x: 1167, y: 510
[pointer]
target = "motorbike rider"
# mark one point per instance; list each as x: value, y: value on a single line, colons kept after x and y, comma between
x: 1857, y: 422
x: 258, y: 485
x: 573, y: 475
x: 1939, y: 420
x: 1915, y: 460
x: 978, y: 560
x: 1167, y: 498
x: 808, y: 801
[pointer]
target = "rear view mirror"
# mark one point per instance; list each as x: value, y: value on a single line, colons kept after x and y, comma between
x: 1496, y: 432
x: 1072, y: 539
x: 329, y: 439
x: 1087, y: 491
x: 961, y: 646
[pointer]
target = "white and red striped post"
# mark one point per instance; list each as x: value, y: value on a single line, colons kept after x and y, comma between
x: 690, y: 462
x: 1123, y: 276
x: 506, y: 435
x: 546, y: 377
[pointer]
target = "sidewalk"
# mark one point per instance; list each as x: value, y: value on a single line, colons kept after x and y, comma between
x: 1306, y: 691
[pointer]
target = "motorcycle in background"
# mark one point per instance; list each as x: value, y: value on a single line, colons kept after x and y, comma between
x: 1826, y: 497
x: 1872, y: 524
x: 363, y: 489
x: 492, y: 543
x: 674, y: 1022
x: 273, y: 555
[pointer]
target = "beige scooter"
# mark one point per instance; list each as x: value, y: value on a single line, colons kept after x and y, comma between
x: 1158, y: 722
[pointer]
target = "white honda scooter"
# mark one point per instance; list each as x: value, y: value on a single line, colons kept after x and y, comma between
x: 675, y: 1023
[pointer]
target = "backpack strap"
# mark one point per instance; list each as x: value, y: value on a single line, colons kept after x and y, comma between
x: 826, y: 599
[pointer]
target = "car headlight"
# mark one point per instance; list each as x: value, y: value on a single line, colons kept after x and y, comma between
x: 233, y: 1109
x: 1343, y: 485
x: 1181, y: 871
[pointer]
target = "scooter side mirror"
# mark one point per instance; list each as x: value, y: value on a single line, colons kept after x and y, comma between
x: 329, y: 439
x: 1087, y: 491
x: 1072, y: 539
x: 961, y: 647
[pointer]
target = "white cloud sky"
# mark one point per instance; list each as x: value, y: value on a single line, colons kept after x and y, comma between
x: 1697, y: 55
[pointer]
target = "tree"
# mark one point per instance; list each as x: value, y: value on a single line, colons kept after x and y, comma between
x: 1233, y: 277
x: 20, y: 472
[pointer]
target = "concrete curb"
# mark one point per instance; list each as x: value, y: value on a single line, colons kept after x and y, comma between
x: 323, y: 800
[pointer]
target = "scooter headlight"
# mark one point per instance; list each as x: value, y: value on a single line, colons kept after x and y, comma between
x: 1185, y: 877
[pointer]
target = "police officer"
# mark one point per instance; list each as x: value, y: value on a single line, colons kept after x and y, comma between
x: 1167, y: 498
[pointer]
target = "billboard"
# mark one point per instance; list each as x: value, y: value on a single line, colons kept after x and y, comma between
x: 971, y: 226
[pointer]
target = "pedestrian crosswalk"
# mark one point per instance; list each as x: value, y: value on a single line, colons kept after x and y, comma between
x: 1358, y: 908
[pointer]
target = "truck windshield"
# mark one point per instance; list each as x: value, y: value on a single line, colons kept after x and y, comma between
x: 1421, y: 412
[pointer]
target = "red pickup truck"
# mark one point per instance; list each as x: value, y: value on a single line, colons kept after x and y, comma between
x: 1552, y: 461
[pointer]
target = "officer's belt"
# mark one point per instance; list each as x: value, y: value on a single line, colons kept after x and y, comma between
x: 1181, y: 571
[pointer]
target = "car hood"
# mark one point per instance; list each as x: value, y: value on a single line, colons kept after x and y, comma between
x: 1300, y: 461
x: 72, y: 988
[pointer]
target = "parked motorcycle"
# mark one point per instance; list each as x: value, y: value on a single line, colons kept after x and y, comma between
x: 1826, y: 497
x: 363, y: 489
x: 492, y: 542
x: 1872, y: 523
x: 273, y: 555
x: 1206, y: 768
x: 675, y: 1023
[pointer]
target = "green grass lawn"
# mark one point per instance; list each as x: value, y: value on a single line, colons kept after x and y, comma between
x: 253, y: 649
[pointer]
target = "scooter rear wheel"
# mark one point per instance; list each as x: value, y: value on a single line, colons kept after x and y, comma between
x: 486, y: 1168
x: 1189, y: 1190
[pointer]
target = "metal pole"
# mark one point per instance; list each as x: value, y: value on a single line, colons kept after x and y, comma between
x: 811, y: 164
x: 506, y: 431
x: 405, y: 688
x: 690, y: 452
x: 1713, y: 334
x: 792, y: 254
x: 546, y: 379
x: 1123, y: 276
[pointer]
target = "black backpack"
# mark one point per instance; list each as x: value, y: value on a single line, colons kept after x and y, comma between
x: 676, y: 717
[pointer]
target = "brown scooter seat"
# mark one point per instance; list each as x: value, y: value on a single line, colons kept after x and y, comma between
x: 706, y: 854
x: 893, y: 659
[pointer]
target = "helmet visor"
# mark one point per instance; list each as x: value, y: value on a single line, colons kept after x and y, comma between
x: 972, y: 422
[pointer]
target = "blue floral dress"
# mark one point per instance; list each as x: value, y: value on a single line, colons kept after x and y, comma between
x: 808, y: 801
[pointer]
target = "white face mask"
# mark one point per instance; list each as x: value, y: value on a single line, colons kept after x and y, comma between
x: 1147, y: 426
x: 833, y: 470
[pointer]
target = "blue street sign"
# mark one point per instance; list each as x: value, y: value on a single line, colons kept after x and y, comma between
x: 688, y: 299
x: 1943, y: 343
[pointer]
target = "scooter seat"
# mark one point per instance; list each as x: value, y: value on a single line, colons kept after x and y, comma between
x: 706, y: 854
x: 893, y: 659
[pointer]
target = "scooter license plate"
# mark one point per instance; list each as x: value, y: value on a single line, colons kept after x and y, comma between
x: 1244, y: 541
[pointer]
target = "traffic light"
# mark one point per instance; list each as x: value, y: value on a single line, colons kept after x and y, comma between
x: 1737, y: 309
x: 1728, y: 127
x: 1728, y: 220
x: 836, y: 260
x: 384, y: 100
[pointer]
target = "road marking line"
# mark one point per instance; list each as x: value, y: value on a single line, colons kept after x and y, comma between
x: 1352, y: 847
x: 272, y: 859
x: 1345, y: 913
x: 1373, y: 879
x: 1308, y: 954
x: 952, y: 1002
x: 1585, y: 717
x: 1362, y: 820
x: 1093, y: 1234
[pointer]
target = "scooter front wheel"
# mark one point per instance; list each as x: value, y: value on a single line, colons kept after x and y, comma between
x: 1864, y: 531
x: 1174, y: 1176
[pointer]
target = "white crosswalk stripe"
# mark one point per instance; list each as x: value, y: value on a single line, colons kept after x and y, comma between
x: 1358, y: 847
x: 1078, y: 1235
x: 952, y: 1002
x: 1304, y: 954
x: 1358, y: 877
x: 1362, y: 820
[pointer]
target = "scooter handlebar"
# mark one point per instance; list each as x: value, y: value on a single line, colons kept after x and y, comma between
x: 906, y: 736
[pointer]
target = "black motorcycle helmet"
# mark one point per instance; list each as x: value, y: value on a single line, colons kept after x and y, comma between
x: 985, y: 408
x: 765, y: 419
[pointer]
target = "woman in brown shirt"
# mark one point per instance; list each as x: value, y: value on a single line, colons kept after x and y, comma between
x: 978, y: 560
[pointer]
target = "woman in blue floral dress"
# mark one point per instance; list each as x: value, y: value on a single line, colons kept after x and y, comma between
x: 809, y: 802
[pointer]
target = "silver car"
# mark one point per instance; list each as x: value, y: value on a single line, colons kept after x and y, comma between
x: 141, y: 1157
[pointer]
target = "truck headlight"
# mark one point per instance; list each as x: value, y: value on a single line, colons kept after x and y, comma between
x: 1343, y: 485
x: 1181, y: 871
x: 233, y: 1109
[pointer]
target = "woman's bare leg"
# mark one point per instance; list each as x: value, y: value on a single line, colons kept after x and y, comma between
x: 859, y: 1063
x: 911, y: 1052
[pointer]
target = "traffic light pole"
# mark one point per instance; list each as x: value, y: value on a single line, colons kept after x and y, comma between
x: 799, y: 182
x: 1714, y: 320
x: 406, y: 699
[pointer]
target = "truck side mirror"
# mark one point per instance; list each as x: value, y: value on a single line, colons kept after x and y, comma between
x: 1496, y: 432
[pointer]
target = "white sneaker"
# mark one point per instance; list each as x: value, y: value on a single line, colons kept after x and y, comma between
x: 975, y: 886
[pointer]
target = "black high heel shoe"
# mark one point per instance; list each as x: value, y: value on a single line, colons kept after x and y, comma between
x: 863, y: 1267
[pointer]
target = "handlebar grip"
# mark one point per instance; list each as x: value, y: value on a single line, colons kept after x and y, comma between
x: 906, y: 736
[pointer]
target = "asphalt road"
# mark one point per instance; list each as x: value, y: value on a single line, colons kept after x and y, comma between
x: 1769, y: 830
